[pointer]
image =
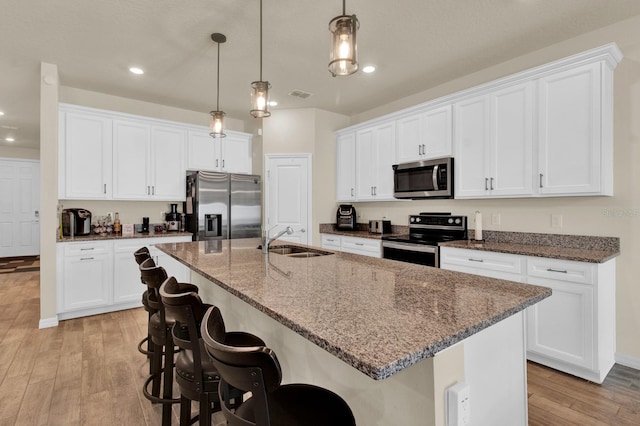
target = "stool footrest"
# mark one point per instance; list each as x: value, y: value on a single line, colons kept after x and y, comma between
x: 156, y: 399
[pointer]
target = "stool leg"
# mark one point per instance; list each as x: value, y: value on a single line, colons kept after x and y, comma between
x: 167, y: 391
x: 156, y: 369
x: 205, y: 410
x: 185, y: 411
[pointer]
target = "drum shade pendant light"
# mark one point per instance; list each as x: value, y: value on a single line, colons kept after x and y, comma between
x: 217, y: 116
x: 260, y: 89
x: 343, y: 59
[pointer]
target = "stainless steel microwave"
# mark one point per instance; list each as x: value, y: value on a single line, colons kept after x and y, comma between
x: 424, y: 179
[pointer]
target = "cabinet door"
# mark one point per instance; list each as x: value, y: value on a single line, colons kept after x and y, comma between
x: 131, y: 144
x: 472, y: 137
x: 87, y: 281
x: 127, y: 286
x: 346, y: 167
x: 410, y: 138
x: 437, y: 133
x: 203, y: 151
x: 385, y: 156
x: 167, y: 163
x: 569, y: 131
x: 365, y: 158
x: 511, y: 163
x: 561, y: 326
x: 236, y: 154
x: 87, y: 156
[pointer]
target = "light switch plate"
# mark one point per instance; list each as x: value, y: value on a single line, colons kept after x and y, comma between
x: 556, y: 221
x: 495, y: 218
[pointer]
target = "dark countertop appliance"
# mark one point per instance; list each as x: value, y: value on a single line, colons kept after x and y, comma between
x: 379, y: 226
x: 346, y: 217
x: 172, y: 219
x: 426, y: 230
x: 76, y: 222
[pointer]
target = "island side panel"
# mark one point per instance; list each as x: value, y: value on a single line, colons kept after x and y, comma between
x: 406, y: 398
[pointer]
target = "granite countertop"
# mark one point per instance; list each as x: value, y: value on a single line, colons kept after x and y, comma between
x: 362, y: 231
x: 377, y: 315
x: 98, y: 237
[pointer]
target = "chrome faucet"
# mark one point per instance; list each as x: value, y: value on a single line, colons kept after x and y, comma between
x: 265, y: 246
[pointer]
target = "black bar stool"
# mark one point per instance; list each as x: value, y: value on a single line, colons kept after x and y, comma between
x: 141, y: 255
x: 257, y: 370
x: 195, y: 374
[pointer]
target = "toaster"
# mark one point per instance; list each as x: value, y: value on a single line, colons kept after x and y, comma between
x: 380, y: 226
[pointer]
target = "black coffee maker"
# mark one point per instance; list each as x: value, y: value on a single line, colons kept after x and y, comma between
x: 346, y: 217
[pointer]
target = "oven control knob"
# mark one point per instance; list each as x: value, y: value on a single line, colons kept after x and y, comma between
x: 458, y: 221
x: 413, y: 219
x: 417, y: 219
x: 450, y: 220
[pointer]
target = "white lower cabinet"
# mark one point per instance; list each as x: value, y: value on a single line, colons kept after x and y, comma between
x: 574, y: 329
x: 102, y: 276
x: 364, y: 246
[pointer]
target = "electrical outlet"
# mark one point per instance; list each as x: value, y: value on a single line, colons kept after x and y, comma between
x: 495, y: 218
x: 556, y: 221
x: 458, y: 405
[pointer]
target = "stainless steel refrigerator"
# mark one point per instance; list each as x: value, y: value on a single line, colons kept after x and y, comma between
x: 223, y: 205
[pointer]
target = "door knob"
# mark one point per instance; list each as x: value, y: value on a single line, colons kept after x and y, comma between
x: 303, y: 230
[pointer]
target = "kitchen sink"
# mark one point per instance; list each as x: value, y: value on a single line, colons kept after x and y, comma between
x: 295, y: 251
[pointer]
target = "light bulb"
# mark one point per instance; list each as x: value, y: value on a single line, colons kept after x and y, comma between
x: 261, y: 101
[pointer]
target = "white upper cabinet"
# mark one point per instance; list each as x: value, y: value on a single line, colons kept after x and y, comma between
x: 570, y: 131
x: 231, y: 154
x: 375, y: 156
x: 494, y: 144
x: 148, y: 161
x: 84, y: 156
x: 424, y: 135
x: 345, y: 167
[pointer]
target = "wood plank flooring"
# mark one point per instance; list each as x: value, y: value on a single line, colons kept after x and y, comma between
x: 88, y: 371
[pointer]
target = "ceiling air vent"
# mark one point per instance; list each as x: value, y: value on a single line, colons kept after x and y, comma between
x: 300, y: 94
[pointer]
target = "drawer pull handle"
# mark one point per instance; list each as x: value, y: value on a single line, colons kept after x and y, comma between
x: 476, y: 260
x: 90, y: 248
x: 562, y: 271
x: 329, y: 239
x: 86, y: 258
x: 359, y: 244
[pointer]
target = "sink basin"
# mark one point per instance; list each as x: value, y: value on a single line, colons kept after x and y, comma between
x: 295, y: 251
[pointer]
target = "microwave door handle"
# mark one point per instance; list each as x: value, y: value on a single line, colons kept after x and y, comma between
x: 434, y: 177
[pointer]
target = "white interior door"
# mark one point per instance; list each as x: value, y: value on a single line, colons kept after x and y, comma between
x: 19, y: 208
x: 287, y: 196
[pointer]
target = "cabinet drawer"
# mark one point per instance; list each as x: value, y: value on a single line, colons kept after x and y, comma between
x: 331, y: 241
x: 89, y: 247
x: 498, y: 262
x: 563, y: 270
x: 365, y: 246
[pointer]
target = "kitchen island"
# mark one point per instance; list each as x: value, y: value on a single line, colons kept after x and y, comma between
x: 387, y: 336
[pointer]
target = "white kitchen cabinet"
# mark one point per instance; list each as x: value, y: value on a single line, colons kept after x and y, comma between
x: 371, y: 247
x: 494, y: 144
x: 85, y: 160
x: 375, y: 156
x: 148, y: 161
x: 574, y: 131
x: 87, y: 270
x: 102, y: 276
x: 424, y: 135
x: 231, y: 154
x: 573, y: 330
x: 345, y: 166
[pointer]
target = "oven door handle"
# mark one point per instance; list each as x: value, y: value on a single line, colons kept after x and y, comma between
x: 410, y: 247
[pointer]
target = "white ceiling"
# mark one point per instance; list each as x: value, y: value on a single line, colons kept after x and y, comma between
x: 415, y: 44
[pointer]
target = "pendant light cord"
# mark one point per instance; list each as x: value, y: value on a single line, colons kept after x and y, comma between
x: 344, y: 7
x: 261, y: 40
x: 218, y: 79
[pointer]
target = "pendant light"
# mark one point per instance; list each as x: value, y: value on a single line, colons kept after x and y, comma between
x: 343, y: 59
x: 217, y: 116
x: 260, y: 89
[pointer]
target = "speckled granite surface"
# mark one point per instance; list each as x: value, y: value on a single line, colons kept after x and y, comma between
x: 378, y: 315
x: 98, y: 237
x: 581, y: 248
x: 362, y: 231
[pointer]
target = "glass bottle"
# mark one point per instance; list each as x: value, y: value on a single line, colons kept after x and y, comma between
x: 116, y: 225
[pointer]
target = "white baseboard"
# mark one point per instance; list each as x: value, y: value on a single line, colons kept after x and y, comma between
x: 48, y: 322
x: 627, y: 361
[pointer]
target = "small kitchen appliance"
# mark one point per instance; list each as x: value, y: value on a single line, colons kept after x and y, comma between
x: 380, y: 226
x: 172, y: 219
x: 346, y: 217
x: 426, y: 230
x: 76, y: 222
x: 145, y: 225
x: 424, y: 179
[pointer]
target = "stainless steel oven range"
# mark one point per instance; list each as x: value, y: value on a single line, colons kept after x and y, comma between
x: 426, y: 230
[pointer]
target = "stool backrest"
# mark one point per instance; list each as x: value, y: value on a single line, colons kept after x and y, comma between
x: 141, y: 255
x: 153, y: 276
x: 252, y: 369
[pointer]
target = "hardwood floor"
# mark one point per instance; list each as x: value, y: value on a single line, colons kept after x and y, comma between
x: 88, y: 371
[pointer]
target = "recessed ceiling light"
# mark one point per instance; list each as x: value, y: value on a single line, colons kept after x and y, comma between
x: 9, y: 139
x: 136, y: 70
x: 1, y: 113
x: 369, y: 69
x: 273, y: 103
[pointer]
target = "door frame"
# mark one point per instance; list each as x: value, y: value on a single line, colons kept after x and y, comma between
x: 309, y: 158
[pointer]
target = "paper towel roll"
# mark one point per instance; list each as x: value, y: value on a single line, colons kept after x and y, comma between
x: 478, y: 232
